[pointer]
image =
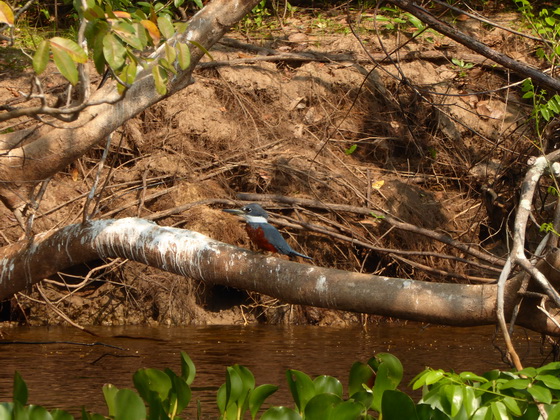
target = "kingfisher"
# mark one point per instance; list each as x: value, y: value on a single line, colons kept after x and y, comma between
x: 262, y: 233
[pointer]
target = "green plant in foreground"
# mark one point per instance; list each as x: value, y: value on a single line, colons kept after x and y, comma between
x: 372, y: 390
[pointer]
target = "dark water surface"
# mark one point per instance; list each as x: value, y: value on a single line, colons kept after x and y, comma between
x: 71, y: 376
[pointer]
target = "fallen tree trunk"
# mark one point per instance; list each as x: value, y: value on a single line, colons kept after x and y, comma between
x: 196, y: 256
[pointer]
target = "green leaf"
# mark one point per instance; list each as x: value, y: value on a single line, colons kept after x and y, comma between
x: 160, y: 79
x: 540, y: 394
x: 36, y: 412
x: 165, y: 26
x: 258, y: 396
x: 434, y: 376
x: 77, y: 54
x: 351, y: 149
x: 109, y: 392
x: 152, y: 383
x: 454, y: 394
x: 6, y: 14
x: 320, y: 406
x: 396, y: 405
x: 301, y: 387
x: 389, y: 373
x: 41, y: 57
x: 360, y: 373
x: 499, y: 411
x: 127, y: 33
x: 188, y: 370
x: 234, y: 385
x: 515, y: 384
x: 328, y: 384
x: 183, y: 393
x: 65, y: 64
x: 128, y: 75
x: 64, y: 415
x: 113, y: 51
x: 170, y: 53
x: 280, y: 413
x: 512, y: 405
x: 549, y: 380
x: 347, y: 410
x: 184, y: 54
x: 469, y: 376
x: 201, y: 48
x: 129, y: 406
x: 470, y: 402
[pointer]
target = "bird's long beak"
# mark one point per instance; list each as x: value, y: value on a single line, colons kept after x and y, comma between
x: 234, y: 211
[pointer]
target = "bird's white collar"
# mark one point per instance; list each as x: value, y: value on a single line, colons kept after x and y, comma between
x: 255, y: 219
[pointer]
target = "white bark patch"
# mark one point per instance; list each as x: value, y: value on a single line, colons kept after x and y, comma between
x: 321, y: 286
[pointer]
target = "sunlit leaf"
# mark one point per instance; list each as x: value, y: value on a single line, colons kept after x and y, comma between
x: 6, y: 14
x: 41, y: 57
x: 127, y: 33
x: 184, y: 55
x: 152, y: 29
x: 121, y: 14
x: 165, y: 26
x: 65, y: 64
x: 328, y: 384
x: 540, y: 393
x: 160, y: 79
x: 201, y: 48
x: 68, y: 46
x: 113, y: 51
x: 170, y: 53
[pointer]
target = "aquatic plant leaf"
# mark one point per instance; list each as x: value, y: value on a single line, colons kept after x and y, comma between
x: 234, y: 385
x: 109, y: 392
x: 20, y: 392
x: 321, y: 406
x: 129, y: 406
x: 360, y: 373
x: 329, y: 384
x: 347, y: 410
x: 37, y: 412
x: 280, y: 413
x: 396, y: 405
x: 64, y: 415
x: 258, y: 396
x: 188, y: 369
x: 152, y: 383
x: 389, y: 373
x: 301, y: 387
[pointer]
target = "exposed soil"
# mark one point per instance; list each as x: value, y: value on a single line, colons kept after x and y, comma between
x: 394, y: 139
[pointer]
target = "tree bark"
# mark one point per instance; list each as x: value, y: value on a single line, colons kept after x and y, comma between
x: 196, y: 256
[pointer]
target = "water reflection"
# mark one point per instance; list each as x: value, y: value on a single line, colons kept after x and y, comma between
x: 71, y: 376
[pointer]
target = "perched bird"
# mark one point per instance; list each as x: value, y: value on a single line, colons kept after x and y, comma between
x: 263, y: 234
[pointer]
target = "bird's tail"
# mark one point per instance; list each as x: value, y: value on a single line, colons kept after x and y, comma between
x: 297, y: 254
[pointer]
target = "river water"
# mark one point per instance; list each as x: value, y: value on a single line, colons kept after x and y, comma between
x: 70, y: 375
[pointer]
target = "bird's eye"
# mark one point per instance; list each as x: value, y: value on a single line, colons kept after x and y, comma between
x: 247, y: 210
